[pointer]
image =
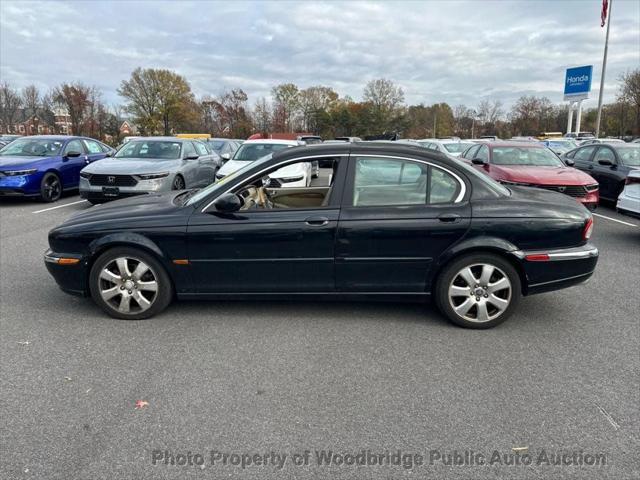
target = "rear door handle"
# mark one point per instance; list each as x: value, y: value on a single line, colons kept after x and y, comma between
x: 448, y: 217
x: 317, y: 221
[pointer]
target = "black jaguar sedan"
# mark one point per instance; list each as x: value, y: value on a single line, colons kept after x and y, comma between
x: 385, y: 222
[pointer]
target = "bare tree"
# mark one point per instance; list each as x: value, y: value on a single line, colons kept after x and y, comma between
x: 10, y: 103
x: 262, y: 115
x: 75, y: 98
x: 31, y: 99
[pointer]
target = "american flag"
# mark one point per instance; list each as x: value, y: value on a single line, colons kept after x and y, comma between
x: 603, y: 14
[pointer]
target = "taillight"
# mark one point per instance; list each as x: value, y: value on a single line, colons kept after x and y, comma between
x: 588, y: 229
x: 631, y: 180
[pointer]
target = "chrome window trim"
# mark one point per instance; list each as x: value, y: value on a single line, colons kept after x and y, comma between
x: 463, y: 186
x: 268, y: 168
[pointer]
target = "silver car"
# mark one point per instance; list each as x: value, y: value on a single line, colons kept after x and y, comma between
x: 148, y: 165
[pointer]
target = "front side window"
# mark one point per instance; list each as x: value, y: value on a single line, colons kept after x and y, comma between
x: 584, y: 154
x: 92, y: 146
x: 201, y: 149
x: 469, y: 154
x: 73, y: 146
x: 483, y: 153
x: 189, y: 150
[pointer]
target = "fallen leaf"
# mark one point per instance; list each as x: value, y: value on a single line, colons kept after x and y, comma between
x: 68, y: 379
x: 24, y: 343
x: 88, y: 391
x: 520, y: 449
x: 140, y: 404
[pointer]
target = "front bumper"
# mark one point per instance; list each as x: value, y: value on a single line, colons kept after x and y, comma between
x: 101, y: 193
x: 20, y: 185
x: 70, y: 277
x: 548, y: 270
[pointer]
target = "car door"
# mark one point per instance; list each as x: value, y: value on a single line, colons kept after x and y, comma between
x: 71, y: 165
x: 207, y: 170
x: 266, y: 250
x: 398, y: 215
x: 190, y: 166
x: 610, y: 177
x: 582, y: 158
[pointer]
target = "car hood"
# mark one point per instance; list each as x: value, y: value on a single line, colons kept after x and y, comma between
x: 135, y: 212
x: 541, y: 175
x: 131, y: 166
x: 12, y: 163
x: 231, y: 166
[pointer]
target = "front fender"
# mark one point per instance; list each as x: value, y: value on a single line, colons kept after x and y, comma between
x: 131, y: 239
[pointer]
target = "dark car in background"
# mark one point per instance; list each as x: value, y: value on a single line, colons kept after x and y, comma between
x: 394, y: 222
x: 532, y: 165
x: 44, y: 166
x: 608, y: 163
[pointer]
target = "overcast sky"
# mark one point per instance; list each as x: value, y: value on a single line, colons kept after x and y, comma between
x: 438, y: 51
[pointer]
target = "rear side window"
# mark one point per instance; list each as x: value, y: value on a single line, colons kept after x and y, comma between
x: 584, y: 154
x: 389, y: 182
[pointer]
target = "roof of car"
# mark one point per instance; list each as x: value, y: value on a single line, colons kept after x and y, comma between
x: 272, y: 141
x: 374, y: 147
x: 53, y: 137
x: 521, y: 144
x: 162, y: 139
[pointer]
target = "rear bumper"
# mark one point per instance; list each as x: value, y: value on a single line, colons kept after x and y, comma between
x: 628, y: 205
x: 557, y: 269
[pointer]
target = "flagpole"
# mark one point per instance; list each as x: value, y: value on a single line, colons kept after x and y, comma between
x: 604, y: 68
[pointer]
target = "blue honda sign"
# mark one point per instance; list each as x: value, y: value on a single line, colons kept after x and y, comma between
x: 577, y: 82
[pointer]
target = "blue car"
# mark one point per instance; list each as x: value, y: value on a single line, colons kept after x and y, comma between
x: 43, y: 166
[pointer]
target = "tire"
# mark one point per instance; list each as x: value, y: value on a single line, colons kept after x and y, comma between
x: 143, y: 293
x: 94, y: 202
x: 50, y: 188
x: 486, y: 308
x: 178, y: 183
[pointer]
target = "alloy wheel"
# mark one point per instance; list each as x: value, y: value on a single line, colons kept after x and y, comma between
x: 480, y: 292
x: 128, y: 285
x: 51, y: 189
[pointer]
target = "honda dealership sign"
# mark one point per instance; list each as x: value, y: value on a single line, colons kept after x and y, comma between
x: 577, y: 83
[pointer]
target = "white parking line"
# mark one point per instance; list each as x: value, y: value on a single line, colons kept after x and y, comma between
x: 59, y: 206
x: 614, y: 220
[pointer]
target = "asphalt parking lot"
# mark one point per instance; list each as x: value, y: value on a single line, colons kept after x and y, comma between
x: 255, y: 378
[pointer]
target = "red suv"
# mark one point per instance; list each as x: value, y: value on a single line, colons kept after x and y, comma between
x: 533, y: 165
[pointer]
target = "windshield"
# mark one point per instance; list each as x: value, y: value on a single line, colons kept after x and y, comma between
x: 629, y: 154
x: 166, y: 150
x: 458, y: 147
x: 33, y: 148
x: 222, y: 183
x: 539, y: 157
x: 562, y: 144
x: 250, y: 152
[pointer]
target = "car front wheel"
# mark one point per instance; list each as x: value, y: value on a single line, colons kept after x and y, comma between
x: 129, y: 284
x: 478, y: 291
x: 50, y: 187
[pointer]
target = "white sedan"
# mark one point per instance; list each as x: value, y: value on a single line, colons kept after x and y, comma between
x: 629, y: 199
x: 298, y: 175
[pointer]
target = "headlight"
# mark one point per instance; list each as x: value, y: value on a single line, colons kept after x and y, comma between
x: 15, y: 173
x: 291, y: 179
x: 592, y: 188
x: 152, y: 176
x: 85, y: 175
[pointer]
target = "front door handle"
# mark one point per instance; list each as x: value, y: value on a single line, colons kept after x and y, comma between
x: 317, y: 221
x: 448, y: 217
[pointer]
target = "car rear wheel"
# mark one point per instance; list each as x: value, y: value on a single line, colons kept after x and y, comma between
x: 50, y: 187
x: 130, y: 284
x: 478, y: 291
x: 178, y: 183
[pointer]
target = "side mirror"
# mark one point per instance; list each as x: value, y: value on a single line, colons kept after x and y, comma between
x: 72, y: 154
x: 568, y: 162
x: 109, y: 154
x: 606, y: 162
x: 191, y: 157
x: 228, y: 203
x: 479, y: 161
x: 225, y: 157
